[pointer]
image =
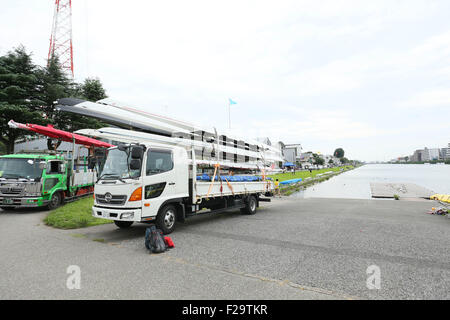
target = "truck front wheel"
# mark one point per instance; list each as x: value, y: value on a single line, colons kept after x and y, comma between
x: 55, y: 201
x: 250, y: 205
x: 123, y: 224
x: 167, y: 219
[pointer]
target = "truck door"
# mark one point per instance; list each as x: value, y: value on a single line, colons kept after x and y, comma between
x: 53, y: 178
x: 159, y: 180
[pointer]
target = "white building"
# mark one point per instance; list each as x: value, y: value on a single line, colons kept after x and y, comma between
x: 434, y: 154
x: 292, y: 152
x: 445, y: 153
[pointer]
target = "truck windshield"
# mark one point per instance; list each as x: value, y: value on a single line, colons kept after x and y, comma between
x: 117, y: 166
x: 19, y: 168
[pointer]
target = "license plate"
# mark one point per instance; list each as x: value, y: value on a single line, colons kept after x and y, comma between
x: 8, y: 201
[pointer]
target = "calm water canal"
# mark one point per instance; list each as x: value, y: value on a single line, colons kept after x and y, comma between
x: 355, y: 184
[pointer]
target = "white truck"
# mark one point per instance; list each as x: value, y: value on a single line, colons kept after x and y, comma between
x: 159, y: 183
x: 165, y: 170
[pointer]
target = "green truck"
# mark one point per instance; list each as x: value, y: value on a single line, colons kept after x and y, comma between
x: 43, y: 180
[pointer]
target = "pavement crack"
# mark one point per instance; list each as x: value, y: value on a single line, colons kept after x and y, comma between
x: 417, y: 262
x: 281, y: 283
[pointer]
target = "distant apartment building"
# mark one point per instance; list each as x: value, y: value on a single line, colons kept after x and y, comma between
x: 432, y: 154
x: 306, y: 159
x: 445, y: 153
x: 292, y: 152
x: 417, y: 156
x: 331, y: 160
x: 280, y: 145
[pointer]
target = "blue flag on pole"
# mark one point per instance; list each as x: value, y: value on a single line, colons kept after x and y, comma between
x: 231, y: 101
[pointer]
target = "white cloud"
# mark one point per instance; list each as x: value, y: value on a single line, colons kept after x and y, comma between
x: 436, y: 97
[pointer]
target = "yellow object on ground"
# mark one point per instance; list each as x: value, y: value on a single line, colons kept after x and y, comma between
x: 441, y: 197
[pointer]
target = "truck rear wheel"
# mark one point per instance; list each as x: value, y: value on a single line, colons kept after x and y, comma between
x: 166, y: 219
x: 123, y: 224
x: 55, y: 201
x: 250, y: 205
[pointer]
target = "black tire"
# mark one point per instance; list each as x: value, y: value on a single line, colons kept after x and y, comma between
x: 123, y: 224
x: 250, y: 206
x: 166, y: 219
x: 55, y: 201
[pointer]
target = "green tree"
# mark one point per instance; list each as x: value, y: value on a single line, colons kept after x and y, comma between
x: 29, y: 94
x: 20, y: 114
x: 2, y: 148
x: 318, y: 160
x: 339, y: 153
x: 54, y: 85
x: 57, y: 85
x: 92, y: 90
x: 20, y: 97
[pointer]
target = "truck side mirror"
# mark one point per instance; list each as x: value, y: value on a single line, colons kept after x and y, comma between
x: 135, y: 164
x: 42, y: 165
x: 122, y: 147
x: 137, y: 153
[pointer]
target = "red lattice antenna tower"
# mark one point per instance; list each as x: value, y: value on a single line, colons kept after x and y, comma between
x: 61, y: 38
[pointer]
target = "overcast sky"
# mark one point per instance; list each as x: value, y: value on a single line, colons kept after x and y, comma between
x: 372, y: 77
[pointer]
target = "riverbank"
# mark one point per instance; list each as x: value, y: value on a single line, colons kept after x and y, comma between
x: 308, y: 178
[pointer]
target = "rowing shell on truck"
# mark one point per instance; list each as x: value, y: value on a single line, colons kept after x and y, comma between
x: 205, y: 152
x: 51, y: 132
x: 208, y: 145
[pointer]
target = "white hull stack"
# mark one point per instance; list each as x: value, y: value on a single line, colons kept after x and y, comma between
x: 210, y: 147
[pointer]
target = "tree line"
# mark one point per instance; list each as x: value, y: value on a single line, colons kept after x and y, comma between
x: 28, y: 94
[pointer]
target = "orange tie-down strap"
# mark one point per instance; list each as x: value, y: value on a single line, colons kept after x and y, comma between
x: 216, y: 167
x: 268, y: 185
x: 229, y: 186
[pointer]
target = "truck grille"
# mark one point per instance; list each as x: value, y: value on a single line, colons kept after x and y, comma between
x: 117, y: 200
x: 11, y: 190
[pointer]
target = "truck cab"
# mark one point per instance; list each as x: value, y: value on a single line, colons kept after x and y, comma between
x: 28, y: 180
x: 43, y: 180
x: 138, y: 180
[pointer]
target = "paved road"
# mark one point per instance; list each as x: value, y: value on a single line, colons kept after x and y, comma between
x: 291, y: 249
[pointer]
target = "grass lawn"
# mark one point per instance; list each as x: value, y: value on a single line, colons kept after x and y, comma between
x: 304, y: 174
x: 74, y: 215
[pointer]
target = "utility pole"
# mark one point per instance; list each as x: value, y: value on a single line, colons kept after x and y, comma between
x: 61, y: 38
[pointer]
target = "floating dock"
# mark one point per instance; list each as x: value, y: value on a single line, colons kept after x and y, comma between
x: 403, y: 190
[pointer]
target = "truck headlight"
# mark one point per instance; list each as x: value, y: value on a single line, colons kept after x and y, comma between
x: 127, y: 215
